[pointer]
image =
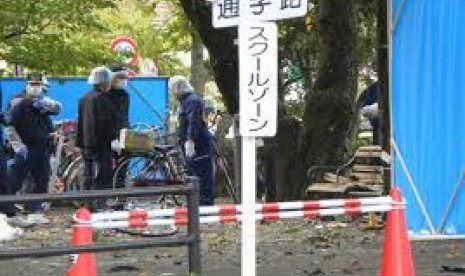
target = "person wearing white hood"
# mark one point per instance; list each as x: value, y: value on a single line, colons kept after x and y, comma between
x: 194, y: 137
x: 96, y: 130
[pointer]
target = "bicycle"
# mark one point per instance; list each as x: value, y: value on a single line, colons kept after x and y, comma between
x: 163, y: 165
x: 222, y: 163
x: 130, y: 170
x: 70, y: 163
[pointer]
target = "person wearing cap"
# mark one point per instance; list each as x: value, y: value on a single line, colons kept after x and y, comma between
x: 29, y: 134
x: 96, y: 130
x: 194, y: 137
x: 35, y: 80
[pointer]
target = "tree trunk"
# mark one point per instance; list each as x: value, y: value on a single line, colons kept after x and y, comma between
x: 198, y: 73
x: 383, y: 78
x: 330, y: 113
x: 222, y: 50
x: 325, y: 135
x: 383, y: 75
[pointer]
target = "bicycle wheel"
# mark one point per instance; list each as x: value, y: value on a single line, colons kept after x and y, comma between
x: 128, y: 174
x: 73, y: 176
x: 136, y: 171
x: 144, y: 171
x: 229, y: 183
x: 151, y: 231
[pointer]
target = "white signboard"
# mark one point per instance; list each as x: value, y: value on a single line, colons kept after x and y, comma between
x: 225, y: 13
x: 258, y: 64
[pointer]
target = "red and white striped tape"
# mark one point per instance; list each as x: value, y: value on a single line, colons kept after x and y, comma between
x: 233, y: 209
x: 143, y: 222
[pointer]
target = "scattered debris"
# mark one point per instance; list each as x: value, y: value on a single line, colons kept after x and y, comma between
x: 120, y: 268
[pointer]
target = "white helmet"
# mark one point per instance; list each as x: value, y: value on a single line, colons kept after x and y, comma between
x: 180, y: 83
x: 100, y: 75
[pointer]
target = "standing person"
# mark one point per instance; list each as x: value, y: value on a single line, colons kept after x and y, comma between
x: 95, y: 132
x: 120, y: 99
x: 120, y: 96
x: 30, y: 136
x: 7, y: 209
x: 193, y: 135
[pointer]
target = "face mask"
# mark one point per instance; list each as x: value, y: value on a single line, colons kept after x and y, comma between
x: 121, y: 84
x: 34, y: 91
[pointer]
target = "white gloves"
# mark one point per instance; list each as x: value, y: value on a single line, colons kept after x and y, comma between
x: 52, y: 105
x: 116, y: 146
x: 46, y: 104
x: 20, y: 149
x: 189, y: 148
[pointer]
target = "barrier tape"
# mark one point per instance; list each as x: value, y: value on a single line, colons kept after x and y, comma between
x: 145, y: 221
x: 233, y: 209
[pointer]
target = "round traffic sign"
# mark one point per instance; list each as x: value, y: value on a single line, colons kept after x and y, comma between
x: 127, y: 47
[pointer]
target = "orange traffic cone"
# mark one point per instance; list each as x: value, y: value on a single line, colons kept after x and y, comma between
x: 84, y: 263
x: 397, y: 256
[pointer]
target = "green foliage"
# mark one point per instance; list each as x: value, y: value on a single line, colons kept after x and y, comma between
x: 298, y: 42
x: 298, y: 49
x: 67, y: 37
x: 156, y: 39
x: 48, y: 34
x: 367, y: 39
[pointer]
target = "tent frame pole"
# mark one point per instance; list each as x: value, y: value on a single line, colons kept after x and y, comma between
x: 451, y: 203
x: 398, y: 14
x: 414, y: 188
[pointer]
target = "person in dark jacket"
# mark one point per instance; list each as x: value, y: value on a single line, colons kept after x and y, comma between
x: 7, y: 209
x: 194, y: 137
x: 121, y: 101
x: 95, y: 132
x: 30, y: 136
x: 120, y: 96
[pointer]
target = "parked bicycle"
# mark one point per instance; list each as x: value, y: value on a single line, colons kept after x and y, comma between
x: 161, y: 165
x: 222, y: 165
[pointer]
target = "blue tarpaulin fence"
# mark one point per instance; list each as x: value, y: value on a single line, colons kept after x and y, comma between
x: 148, y: 97
x: 428, y: 103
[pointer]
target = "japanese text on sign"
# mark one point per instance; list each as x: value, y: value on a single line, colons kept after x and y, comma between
x: 226, y: 12
x: 258, y: 78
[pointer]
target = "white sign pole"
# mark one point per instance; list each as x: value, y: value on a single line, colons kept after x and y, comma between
x: 258, y: 70
x: 248, y: 179
x: 248, y: 204
x: 258, y: 106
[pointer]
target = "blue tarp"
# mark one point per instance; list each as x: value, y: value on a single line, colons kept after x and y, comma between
x: 428, y: 99
x: 148, y: 96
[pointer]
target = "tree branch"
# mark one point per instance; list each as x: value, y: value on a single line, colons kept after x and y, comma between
x: 223, y: 51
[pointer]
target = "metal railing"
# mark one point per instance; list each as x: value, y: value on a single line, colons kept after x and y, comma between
x: 192, y: 239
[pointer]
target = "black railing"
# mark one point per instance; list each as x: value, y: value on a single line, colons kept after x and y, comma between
x: 190, y: 189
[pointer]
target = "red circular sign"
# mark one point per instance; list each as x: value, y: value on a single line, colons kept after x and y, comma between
x: 126, y: 44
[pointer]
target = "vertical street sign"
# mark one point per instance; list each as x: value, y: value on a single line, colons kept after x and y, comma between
x: 225, y: 13
x: 258, y: 64
x: 258, y: 95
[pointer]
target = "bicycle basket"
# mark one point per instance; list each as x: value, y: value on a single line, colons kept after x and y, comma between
x: 137, y: 141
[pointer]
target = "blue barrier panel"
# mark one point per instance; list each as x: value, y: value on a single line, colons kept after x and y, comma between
x: 428, y: 102
x: 148, y: 97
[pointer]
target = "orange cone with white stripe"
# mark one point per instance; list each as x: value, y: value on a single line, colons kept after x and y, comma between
x: 397, y: 256
x: 84, y: 264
